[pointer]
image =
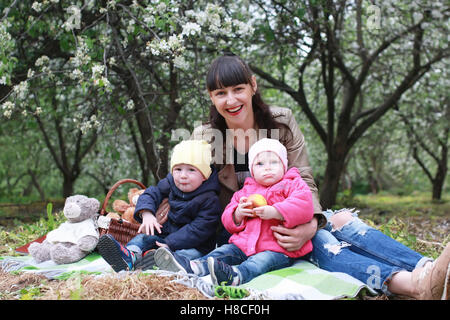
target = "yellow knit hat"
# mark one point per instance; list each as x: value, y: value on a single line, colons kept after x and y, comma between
x: 197, y: 153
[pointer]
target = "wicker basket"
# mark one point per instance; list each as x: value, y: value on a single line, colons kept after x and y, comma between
x: 123, y: 231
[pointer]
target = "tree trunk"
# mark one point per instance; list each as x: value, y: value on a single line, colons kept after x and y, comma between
x: 36, y: 184
x: 68, y: 186
x: 330, y: 185
x: 439, y: 179
x: 437, y: 189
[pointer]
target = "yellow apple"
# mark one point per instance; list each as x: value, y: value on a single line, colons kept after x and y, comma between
x: 257, y: 200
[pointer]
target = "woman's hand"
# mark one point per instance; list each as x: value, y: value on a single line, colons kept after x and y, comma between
x: 149, y: 224
x: 293, y: 239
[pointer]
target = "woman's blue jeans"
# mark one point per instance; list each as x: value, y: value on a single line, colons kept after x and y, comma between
x: 246, y: 267
x: 362, y: 252
x: 143, y: 242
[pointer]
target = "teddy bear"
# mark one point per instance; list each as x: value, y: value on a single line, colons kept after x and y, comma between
x: 125, y: 210
x: 133, y: 196
x: 73, y: 239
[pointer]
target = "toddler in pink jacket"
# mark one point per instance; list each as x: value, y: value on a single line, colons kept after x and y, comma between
x: 288, y: 197
x: 252, y: 249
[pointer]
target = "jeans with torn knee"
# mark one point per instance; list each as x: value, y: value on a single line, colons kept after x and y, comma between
x: 362, y: 252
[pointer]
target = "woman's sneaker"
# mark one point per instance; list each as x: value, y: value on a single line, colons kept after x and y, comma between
x: 117, y: 255
x: 147, y: 261
x: 222, y: 274
x: 165, y: 259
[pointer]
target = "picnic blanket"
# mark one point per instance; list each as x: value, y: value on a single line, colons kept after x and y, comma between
x: 301, y: 281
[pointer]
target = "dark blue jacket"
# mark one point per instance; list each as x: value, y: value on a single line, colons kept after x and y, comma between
x: 193, y: 216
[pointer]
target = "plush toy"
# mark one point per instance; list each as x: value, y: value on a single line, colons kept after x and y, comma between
x: 73, y: 239
x: 133, y: 196
x: 124, y: 210
x: 119, y: 207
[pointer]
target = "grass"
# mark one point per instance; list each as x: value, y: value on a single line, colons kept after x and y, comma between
x: 133, y: 286
x: 416, y: 204
x: 414, y: 220
x: 18, y: 233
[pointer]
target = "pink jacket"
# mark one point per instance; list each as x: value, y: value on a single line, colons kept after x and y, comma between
x: 290, y: 196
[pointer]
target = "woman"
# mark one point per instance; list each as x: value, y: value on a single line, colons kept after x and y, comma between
x: 342, y: 242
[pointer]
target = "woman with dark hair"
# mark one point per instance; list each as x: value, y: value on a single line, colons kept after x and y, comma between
x: 341, y: 241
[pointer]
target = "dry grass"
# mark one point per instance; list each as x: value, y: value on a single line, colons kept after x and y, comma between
x: 425, y: 232
x: 12, y: 285
x: 133, y: 286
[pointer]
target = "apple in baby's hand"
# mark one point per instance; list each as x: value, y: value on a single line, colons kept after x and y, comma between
x: 257, y: 200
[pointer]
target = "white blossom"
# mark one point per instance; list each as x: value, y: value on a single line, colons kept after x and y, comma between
x: 87, y: 125
x: 174, y: 41
x: 417, y: 17
x: 30, y: 73
x: 21, y: 90
x: 243, y: 28
x: 94, y: 121
x: 37, y: 6
x: 41, y: 61
x: 7, y: 108
x: 191, y: 28
x: 180, y: 63
x: 190, y: 13
x: 130, y: 27
x: 162, y: 47
x: 436, y: 14
x: 81, y: 55
x: 4, y: 34
x: 76, y: 74
x: 7, y: 113
x: 111, y: 4
x: 201, y: 18
x: 97, y: 69
x: 161, y: 7
x: 130, y: 105
x: 102, y: 82
x: 112, y: 61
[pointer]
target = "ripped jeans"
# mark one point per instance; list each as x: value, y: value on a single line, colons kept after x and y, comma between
x: 362, y: 252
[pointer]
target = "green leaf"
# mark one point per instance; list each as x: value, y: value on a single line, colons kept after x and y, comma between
x: 300, y: 12
x: 50, y: 221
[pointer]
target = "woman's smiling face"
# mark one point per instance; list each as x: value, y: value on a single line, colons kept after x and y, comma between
x: 234, y: 103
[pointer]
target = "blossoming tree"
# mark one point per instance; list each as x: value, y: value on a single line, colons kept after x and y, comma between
x: 346, y: 64
x: 81, y: 67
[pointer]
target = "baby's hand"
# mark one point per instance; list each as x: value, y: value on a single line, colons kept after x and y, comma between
x: 242, y: 210
x: 149, y: 224
x: 267, y: 212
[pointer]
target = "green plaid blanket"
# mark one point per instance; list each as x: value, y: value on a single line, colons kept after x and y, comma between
x: 303, y: 280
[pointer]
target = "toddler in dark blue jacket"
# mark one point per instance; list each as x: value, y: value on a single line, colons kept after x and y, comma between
x: 192, y: 188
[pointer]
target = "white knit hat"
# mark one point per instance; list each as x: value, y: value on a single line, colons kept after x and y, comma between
x: 197, y: 153
x: 267, y: 145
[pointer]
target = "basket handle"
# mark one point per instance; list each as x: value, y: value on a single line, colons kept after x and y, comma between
x: 113, y: 188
